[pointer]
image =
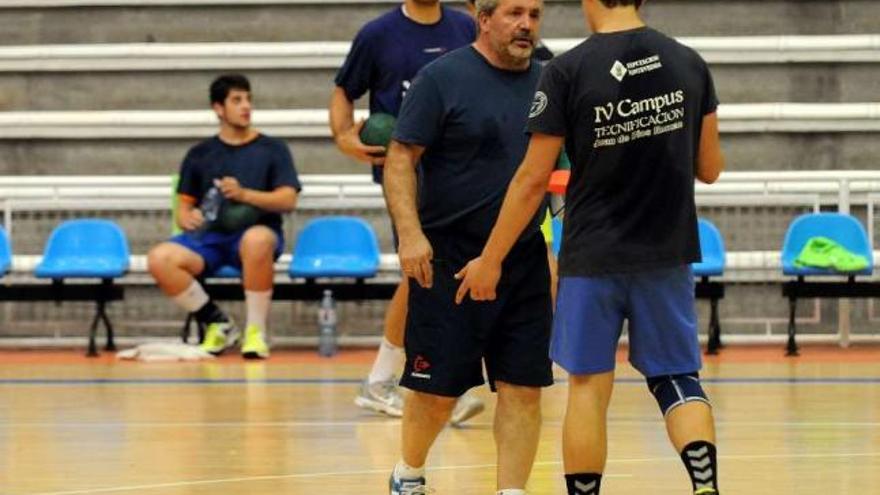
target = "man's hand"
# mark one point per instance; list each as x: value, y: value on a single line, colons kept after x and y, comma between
x: 191, y: 219
x: 349, y: 142
x: 231, y: 189
x: 480, y: 277
x: 415, y: 254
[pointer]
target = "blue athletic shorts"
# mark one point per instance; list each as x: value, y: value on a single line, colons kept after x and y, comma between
x: 659, y: 305
x: 220, y: 248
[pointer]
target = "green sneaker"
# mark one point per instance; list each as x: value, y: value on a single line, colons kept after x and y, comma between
x: 219, y: 336
x: 254, y: 346
x: 822, y: 252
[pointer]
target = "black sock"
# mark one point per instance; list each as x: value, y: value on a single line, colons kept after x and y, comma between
x: 700, y: 460
x: 583, y: 483
x: 210, y: 313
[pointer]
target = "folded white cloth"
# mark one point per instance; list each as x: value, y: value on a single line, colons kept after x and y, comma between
x: 164, y: 351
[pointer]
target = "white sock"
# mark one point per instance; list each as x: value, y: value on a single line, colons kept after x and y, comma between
x: 404, y: 471
x: 193, y: 298
x: 388, y: 362
x: 257, y: 303
x: 511, y: 491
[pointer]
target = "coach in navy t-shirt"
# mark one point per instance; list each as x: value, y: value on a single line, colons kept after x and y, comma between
x: 460, y: 110
x: 461, y: 131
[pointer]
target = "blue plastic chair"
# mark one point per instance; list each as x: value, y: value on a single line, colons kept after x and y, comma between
x: 5, y: 253
x: 87, y: 248
x: 712, y: 265
x: 842, y: 229
x: 225, y: 271
x: 712, y: 249
x: 336, y: 247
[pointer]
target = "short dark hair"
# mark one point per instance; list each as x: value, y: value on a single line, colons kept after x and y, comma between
x: 221, y: 86
x: 621, y: 3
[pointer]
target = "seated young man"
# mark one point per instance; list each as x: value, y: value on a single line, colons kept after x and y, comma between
x: 232, y: 191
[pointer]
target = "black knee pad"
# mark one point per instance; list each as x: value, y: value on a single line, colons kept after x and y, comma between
x: 672, y: 391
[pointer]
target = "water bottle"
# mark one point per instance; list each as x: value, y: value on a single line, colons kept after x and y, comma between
x: 210, y: 207
x: 327, y: 325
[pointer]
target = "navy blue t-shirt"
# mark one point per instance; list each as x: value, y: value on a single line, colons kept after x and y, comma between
x: 263, y: 164
x: 471, y: 118
x: 388, y: 51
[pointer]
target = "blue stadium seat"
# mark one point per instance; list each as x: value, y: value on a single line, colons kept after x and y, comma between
x: 225, y: 271
x: 712, y: 265
x: 87, y: 248
x: 5, y: 253
x: 845, y: 230
x: 336, y: 247
x: 712, y: 249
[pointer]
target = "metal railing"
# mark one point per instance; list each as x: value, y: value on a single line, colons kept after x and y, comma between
x: 780, y: 193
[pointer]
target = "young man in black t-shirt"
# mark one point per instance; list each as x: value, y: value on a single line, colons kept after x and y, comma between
x: 232, y: 191
x: 637, y: 113
x: 461, y: 126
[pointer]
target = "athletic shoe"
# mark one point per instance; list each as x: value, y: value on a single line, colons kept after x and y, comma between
x: 466, y: 408
x: 404, y: 486
x: 219, y: 336
x: 382, y: 397
x: 254, y: 346
x: 706, y: 491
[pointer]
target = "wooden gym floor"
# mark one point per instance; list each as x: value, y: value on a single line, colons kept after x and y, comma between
x: 71, y: 425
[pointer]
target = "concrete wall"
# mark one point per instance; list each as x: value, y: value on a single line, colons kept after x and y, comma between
x: 743, y: 152
x: 281, y: 89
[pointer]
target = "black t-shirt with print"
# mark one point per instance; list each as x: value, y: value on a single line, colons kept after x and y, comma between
x: 630, y: 105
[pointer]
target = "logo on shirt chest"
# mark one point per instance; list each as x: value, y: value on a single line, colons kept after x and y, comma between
x: 619, y: 70
x: 539, y: 104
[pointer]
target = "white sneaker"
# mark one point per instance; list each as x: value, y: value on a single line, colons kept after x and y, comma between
x: 403, y: 486
x: 466, y: 408
x: 383, y: 397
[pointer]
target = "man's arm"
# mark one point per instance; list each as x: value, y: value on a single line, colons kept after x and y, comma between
x: 525, y: 193
x: 188, y: 217
x: 415, y: 250
x: 710, y: 161
x: 346, y: 133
